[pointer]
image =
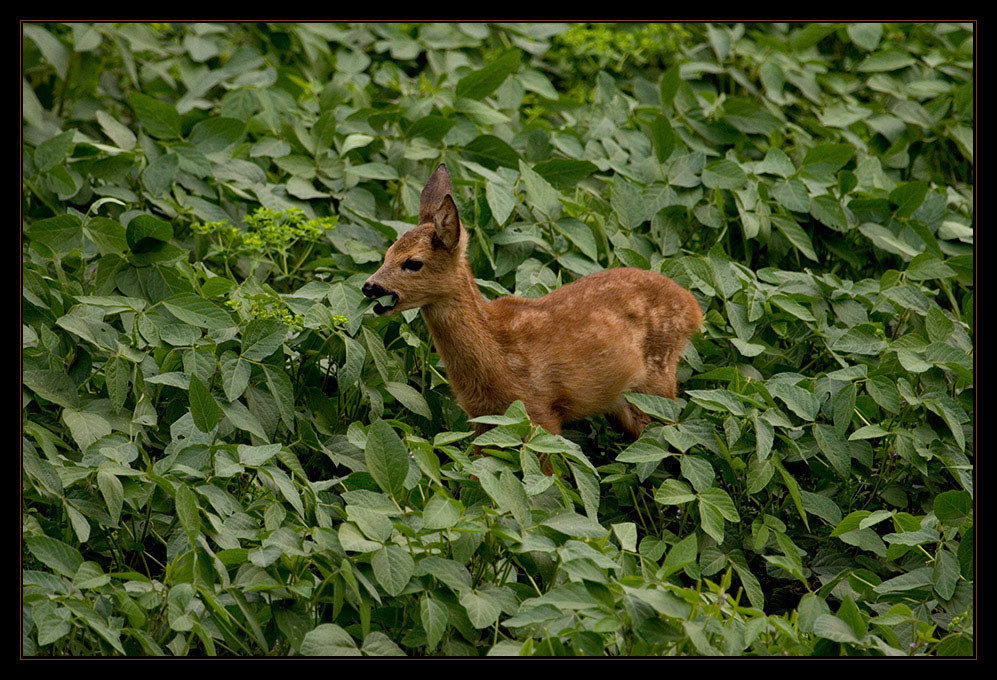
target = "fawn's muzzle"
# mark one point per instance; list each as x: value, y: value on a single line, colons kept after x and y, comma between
x: 374, y: 291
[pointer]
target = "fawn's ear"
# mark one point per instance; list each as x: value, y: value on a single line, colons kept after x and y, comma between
x: 436, y: 188
x: 447, y: 222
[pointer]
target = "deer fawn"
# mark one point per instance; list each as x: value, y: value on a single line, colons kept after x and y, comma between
x: 566, y: 355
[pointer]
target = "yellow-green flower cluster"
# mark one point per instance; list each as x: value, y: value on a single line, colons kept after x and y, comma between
x: 269, y: 230
x: 273, y: 230
x: 267, y: 307
x: 221, y: 228
x: 640, y: 43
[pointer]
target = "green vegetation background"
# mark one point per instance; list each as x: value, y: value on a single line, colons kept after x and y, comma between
x: 225, y: 453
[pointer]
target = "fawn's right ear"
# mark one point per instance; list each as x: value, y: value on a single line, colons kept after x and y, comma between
x: 436, y: 188
x: 446, y: 221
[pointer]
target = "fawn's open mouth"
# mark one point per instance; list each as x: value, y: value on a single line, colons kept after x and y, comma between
x: 386, y: 303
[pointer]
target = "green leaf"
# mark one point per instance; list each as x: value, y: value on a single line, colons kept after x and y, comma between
x: 159, y: 175
x: 626, y: 533
x: 776, y: 162
x: 393, y: 568
x: 918, y: 578
x: 575, y: 525
x: 682, y: 554
x: 85, y: 427
x: 792, y: 194
x: 328, y: 639
x: 564, y: 173
x: 159, y: 118
x: 834, y: 628
x: 540, y: 194
x: 54, y: 554
x: 203, y: 407
x: 663, y: 137
x: 61, y: 233
x: 440, y: 513
x: 199, y: 312
x: 795, y: 235
x: 379, y: 644
x: 409, y: 398
x: 953, y: 505
x: 235, y: 372
x: 835, y: 156
x: 53, y: 151
x: 386, y: 457
x: 724, y: 174
x: 719, y: 499
x: 674, y: 492
x: 482, y: 611
x: 908, y: 197
x: 54, y: 386
x: 667, y: 410
x: 188, y: 512
x: 113, y: 493
x: 108, y: 235
x: 485, y: 81
x: 851, y: 615
x: 827, y: 210
x: 122, y: 137
x: 926, y: 267
x: 261, y: 338
x: 492, y: 152
x: 434, y: 620
x: 216, y: 133
x: 697, y: 471
x: 283, y: 393
x: 146, y: 233
x: 834, y: 447
x: 800, y: 401
x: 865, y: 34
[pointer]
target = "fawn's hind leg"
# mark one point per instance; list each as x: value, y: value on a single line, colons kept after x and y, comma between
x: 631, y: 419
x: 552, y: 424
x: 661, y: 381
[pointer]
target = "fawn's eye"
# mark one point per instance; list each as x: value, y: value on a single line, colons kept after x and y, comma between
x: 412, y: 265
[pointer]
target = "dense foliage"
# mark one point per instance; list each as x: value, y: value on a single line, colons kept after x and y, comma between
x: 224, y: 452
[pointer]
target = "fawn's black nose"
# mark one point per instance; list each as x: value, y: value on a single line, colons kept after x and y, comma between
x: 372, y: 290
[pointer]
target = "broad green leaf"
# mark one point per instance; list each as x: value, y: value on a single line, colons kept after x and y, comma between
x: 539, y: 193
x: 159, y: 118
x: 328, y: 639
x: 61, y: 233
x: 188, y: 512
x: 485, y: 81
x: 410, y: 398
x: 216, y: 133
x: 261, y: 338
x: 386, y: 457
x: 54, y: 150
x: 434, y: 620
x: 674, y: 492
x: 724, y: 174
x: 203, y: 407
x: 54, y: 554
x: 393, y: 568
x: 667, y: 410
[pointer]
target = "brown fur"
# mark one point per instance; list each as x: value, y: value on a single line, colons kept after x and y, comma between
x: 566, y: 355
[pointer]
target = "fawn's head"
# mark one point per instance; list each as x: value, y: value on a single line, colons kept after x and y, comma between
x: 423, y: 265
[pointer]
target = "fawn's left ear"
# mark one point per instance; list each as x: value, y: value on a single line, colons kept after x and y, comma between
x: 446, y: 221
x: 436, y: 188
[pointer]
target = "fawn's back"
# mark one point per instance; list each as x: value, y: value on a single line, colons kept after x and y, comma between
x: 566, y: 355
x: 580, y: 347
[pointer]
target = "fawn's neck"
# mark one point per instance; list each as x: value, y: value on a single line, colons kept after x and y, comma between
x: 470, y: 352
